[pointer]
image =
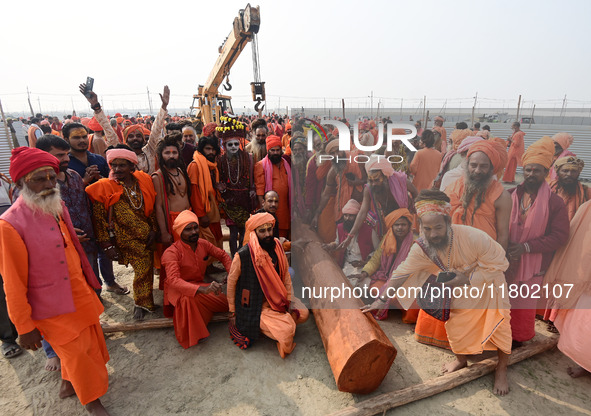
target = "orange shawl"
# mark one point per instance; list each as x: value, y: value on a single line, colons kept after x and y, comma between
x: 271, y: 282
x: 108, y: 191
x: 201, y: 177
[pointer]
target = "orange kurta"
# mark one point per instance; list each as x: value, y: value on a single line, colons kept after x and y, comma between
x: 485, y: 218
x: 475, y: 323
x: 279, y: 326
x: 515, y: 153
x: 185, y: 270
x: 76, y: 337
x: 572, y: 202
x: 425, y: 167
x: 281, y: 186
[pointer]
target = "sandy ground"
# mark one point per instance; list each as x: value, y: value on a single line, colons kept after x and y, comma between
x: 150, y: 374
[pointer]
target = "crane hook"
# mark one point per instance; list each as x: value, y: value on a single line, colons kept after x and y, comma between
x: 257, y: 106
x: 227, y: 85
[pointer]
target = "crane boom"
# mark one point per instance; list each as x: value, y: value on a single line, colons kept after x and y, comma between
x: 211, y: 105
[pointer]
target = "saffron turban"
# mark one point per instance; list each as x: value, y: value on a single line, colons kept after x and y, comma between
x: 27, y: 159
x: 467, y: 143
x: 427, y: 207
x: 288, y: 126
x: 332, y: 146
x: 85, y: 121
x: 439, y: 118
x: 352, y: 207
x: 209, y: 129
x: 273, y: 141
x: 184, y: 218
x: 130, y: 129
x: 119, y: 115
x: 125, y: 154
x: 569, y: 161
x: 94, y: 125
x: 540, y: 152
x: 495, y: 152
x: 256, y: 220
x: 389, y: 244
x: 379, y: 163
x: 457, y: 136
x: 563, y: 139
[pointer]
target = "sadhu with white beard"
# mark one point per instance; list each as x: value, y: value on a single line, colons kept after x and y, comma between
x: 474, y: 262
x: 48, y: 280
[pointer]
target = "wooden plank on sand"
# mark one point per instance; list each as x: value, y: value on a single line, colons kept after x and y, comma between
x: 151, y: 324
x: 386, y: 401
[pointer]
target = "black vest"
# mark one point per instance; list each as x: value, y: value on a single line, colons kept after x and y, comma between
x: 248, y: 317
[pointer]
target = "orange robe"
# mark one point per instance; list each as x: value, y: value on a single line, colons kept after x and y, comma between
x: 442, y: 147
x: 185, y: 270
x: 572, y: 202
x: 425, y: 167
x: 76, y: 337
x: 515, y: 153
x: 485, y: 218
x: 476, y: 323
x: 281, y: 186
x: 279, y: 326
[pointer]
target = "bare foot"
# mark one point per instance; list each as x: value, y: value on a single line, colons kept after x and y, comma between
x: 577, y: 371
x: 501, y: 387
x: 138, y: 313
x: 66, y: 389
x: 53, y: 364
x: 96, y: 408
x: 453, y: 366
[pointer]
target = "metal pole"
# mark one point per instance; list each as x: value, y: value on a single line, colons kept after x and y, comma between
x: 532, y: 116
x: 149, y: 100
x: 518, y: 106
x: 30, y: 105
x: 343, y: 101
x: 424, y: 109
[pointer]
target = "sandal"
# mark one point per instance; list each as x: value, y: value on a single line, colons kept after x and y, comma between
x: 10, y: 350
x: 551, y: 328
x: 118, y: 290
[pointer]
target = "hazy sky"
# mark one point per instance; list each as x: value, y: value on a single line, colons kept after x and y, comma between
x: 310, y: 52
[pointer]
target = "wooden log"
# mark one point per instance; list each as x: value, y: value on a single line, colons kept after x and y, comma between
x: 151, y: 324
x: 446, y: 382
x: 358, y: 351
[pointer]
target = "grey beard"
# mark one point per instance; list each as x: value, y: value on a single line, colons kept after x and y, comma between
x: 48, y: 205
x: 298, y: 160
x: 433, y: 248
x: 474, y: 190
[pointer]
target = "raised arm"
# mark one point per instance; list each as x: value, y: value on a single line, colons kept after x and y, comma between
x: 156, y: 133
x: 110, y: 134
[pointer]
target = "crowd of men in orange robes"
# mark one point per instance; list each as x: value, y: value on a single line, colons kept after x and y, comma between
x: 153, y: 192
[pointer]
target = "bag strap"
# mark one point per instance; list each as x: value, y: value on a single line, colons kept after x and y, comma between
x: 435, y: 259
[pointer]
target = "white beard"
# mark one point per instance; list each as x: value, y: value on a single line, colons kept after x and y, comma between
x: 47, y: 202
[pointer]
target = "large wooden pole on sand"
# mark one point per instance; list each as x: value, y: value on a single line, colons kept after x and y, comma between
x: 358, y: 351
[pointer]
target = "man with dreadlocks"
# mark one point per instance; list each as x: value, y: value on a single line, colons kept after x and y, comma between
x: 172, y: 187
x: 473, y: 323
x: 236, y: 184
x: 205, y: 197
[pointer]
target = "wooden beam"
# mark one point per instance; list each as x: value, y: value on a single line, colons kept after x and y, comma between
x: 383, y: 402
x: 151, y: 324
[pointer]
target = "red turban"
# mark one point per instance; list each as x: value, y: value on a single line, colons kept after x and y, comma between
x: 495, y: 152
x: 209, y: 129
x: 132, y: 129
x: 118, y: 115
x: 273, y: 141
x: 26, y: 159
x: 94, y: 125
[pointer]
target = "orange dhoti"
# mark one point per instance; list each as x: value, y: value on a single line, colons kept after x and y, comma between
x: 431, y: 331
x: 83, y: 363
x: 192, y: 314
x: 281, y: 326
